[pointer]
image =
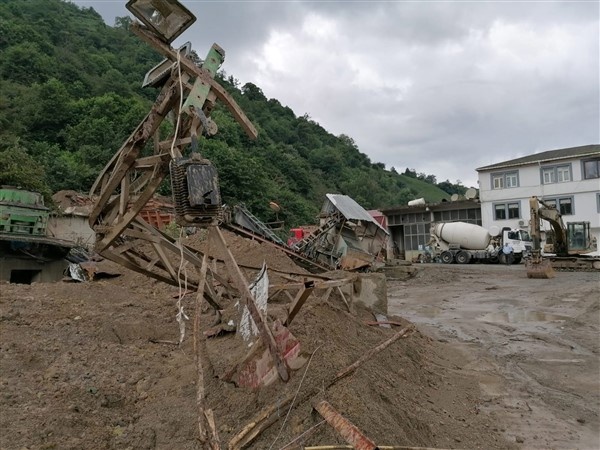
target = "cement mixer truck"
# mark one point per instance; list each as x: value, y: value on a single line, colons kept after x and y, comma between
x: 464, y: 243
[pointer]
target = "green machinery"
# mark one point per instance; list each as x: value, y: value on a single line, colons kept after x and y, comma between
x: 24, y: 226
x: 22, y: 212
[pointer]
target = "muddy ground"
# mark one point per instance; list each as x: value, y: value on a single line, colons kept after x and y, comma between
x: 496, y: 361
x: 532, y: 345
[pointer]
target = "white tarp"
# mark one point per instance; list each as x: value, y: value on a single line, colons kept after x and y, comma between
x: 260, y: 291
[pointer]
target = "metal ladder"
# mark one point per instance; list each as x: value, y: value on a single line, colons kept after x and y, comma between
x: 261, y: 228
x: 308, y: 240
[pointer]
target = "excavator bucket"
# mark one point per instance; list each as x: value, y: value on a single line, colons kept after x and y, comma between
x: 540, y: 268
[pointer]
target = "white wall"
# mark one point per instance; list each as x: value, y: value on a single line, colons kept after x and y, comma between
x: 585, y: 195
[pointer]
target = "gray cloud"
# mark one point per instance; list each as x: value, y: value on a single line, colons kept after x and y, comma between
x: 440, y: 87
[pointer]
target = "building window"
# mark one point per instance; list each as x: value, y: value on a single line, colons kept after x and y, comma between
x: 565, y: 205
x: 512, y: 180
x: 556, y: 174
x: 500, y: 211
x: 591, y: 169
x: 505, y: 180
x: 416, y: 236
x: 511, y: 210
x: 598, y: 202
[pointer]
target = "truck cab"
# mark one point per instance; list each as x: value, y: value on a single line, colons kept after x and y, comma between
x: 519, y: 240
x: 296, y: 235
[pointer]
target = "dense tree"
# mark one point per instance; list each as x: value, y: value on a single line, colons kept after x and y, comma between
x: 18, y: 168
x: 71, y: 93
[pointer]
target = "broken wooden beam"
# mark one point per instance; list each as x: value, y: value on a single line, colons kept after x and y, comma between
x: 352, y: 367
x: 346, y: 429
x: 216, y: 236
x: 266, y: 417
x: 301, y: 297
x: 206, y: 420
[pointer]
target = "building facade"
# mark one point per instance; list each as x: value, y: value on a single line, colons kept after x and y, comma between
x: 568, y: 179
x: 409, y: 226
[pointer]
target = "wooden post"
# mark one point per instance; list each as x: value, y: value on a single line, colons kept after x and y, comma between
x: 303, y: 294
x: 346, y: 429
x: 247, y: 298
x: 206, y: 421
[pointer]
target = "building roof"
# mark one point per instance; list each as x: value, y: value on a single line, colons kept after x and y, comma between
x: 440, y: 206
x: 350, y: 209
x: 550, y: 155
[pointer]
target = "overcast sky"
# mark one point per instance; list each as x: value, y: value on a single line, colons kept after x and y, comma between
x: 442, y: 87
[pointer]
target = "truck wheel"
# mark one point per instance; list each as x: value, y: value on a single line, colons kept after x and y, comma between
x: 447, y: 257
x: 502, y: 258
x: 517, y: 259
x: 463, y: 258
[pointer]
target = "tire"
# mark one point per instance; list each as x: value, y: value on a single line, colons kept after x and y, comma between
x: 463, y: 257
x: 447, y: 257
x: 501, y: 258
x: 517, y: 259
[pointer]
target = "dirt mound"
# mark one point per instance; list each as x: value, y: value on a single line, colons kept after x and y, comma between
x: 91, y: 366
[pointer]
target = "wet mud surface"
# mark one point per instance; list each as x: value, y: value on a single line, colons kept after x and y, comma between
x: 532, y: 345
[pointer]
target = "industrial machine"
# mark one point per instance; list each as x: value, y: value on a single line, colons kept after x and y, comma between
x: 463, y: 243
x: 188, y: 93
x: 569, y: 243
x: 23, y: 227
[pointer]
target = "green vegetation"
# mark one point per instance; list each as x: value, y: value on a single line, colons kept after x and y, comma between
x: 70, y: 95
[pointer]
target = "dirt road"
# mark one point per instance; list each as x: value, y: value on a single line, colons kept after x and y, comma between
x: 533, y: 345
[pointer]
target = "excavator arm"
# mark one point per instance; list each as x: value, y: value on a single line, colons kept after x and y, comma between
x: 538, y: 267
x: 554, y: 218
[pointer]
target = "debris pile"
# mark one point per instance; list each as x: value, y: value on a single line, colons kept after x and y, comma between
x: 101, y: 368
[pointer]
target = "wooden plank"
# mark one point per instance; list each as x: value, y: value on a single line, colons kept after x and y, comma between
x: 216, y: 237
x: 136, y: 234
x: 317, y: 284
x: 346, y: 429
x: 165, y: 260
x: 204, y: 427
x: 352, y: 367
x: 266, y: 417
x: 148, y: 162
x: 348, y: 305
x: 124, y: 197
x: 327, y: 294
x: 300, y: 299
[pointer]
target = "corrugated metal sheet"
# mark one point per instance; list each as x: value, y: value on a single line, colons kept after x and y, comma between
x: 351, y: 210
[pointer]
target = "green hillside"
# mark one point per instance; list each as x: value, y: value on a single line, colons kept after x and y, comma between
x: 70, y: 95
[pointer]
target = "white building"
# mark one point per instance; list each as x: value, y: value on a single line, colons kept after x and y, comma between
x: 568, y: 178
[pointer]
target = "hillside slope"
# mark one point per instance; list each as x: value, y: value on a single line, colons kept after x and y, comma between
x: 70, y: 94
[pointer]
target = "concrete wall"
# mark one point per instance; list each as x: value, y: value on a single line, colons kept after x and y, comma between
x: 370, y: 289
x: 27, y: 271
x: 72, y: 228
